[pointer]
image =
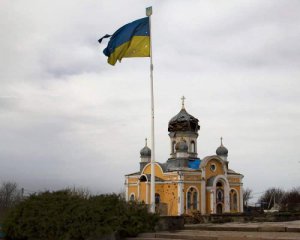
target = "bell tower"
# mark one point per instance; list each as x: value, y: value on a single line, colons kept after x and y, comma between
x: 185, y: 127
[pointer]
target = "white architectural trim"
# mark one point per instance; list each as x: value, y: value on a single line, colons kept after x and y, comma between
x: 240, y: 176
x: 241, y: 200
x: 144, y: 176
x: 212, y: 201
x: 149, y: 164
x: 203, y: 197
x: 138, y: 190
x: 180, y: 195
x: 226, y: 191
x: 207, y: 159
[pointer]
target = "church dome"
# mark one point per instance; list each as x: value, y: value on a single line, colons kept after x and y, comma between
x: 184, y: 122
x: 145, y: 151
x: 222, y: 151
x: 181, y: 146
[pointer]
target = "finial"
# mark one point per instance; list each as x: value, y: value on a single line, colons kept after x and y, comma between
x: 146, y: 142
x: 182, y: 99
x: 221, y: 141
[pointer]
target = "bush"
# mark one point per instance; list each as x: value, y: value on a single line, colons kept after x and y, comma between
x: 66, y: 215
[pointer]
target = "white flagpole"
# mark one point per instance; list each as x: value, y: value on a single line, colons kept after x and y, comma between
x: 152, y: 192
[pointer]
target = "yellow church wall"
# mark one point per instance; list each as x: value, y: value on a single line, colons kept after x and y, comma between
x: 171, y: 197
x: 208, y: 210
x: 132, y: 180
x: 219, y: 169
x: 142, y: 190
x: 168, y: 196
x: 132, y: 189
x: 157, y: 169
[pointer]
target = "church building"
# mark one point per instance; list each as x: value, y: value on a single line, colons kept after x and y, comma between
x: 186, y: 183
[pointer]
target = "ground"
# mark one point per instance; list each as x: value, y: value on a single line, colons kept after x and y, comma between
x: 233, y: 231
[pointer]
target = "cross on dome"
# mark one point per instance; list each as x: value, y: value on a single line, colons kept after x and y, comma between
x: 182, y: 99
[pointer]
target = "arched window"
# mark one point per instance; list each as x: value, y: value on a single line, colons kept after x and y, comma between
x: 193, y: 146
x: 219, y: 184
x: 143, y: 178
x: 131, y: 198
x: 220, y: 195
x: 173, y: 147
x: 192, y: 199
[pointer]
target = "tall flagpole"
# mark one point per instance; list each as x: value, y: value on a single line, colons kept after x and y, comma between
x: 152, y: 199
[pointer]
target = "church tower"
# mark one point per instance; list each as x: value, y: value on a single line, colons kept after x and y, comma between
x: 183, y: 130
x: 222, y: 152
x: 145, y: 156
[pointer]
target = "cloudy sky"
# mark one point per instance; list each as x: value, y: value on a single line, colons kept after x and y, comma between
x: 67, y: 118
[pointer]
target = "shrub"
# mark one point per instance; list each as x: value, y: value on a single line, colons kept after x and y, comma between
x: 66, y: 215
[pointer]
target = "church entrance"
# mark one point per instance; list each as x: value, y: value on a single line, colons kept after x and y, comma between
x: 219, y: 197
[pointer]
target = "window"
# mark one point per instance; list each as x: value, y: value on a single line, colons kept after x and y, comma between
x: 213, y: 167
x: 173, y: 147
x: 192, y: 199
x: 143, y: 178
x: 220, y: 195
x: 131, y: 197
x: 193, y: 146
x: 157, y: 198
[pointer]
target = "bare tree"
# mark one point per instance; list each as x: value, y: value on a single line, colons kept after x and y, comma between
x: 291, y: 200
x: 247, y: 195
x: 10, y: 195
x: 271, y: 196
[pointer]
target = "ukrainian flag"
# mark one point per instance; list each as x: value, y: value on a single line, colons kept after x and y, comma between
x: 131, y: 40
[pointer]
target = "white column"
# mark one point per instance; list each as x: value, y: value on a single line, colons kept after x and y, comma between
x: 212, y: 202
x: 203, y: 197
x: 241, y: 199
x: 180, y: 195
x: 226, y: 198
x: 147, y: 193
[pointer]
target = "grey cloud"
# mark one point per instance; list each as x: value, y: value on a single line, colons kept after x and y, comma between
x: 68, y: 118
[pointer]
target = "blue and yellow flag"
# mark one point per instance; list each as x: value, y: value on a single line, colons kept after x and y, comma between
x: 131, y: 40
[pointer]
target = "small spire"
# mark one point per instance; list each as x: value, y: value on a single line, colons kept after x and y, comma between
x: 182, y: 99
x: 146, y: 142
x: 221, y: 141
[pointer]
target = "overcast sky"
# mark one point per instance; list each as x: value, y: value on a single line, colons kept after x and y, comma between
x: 67, y: 118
